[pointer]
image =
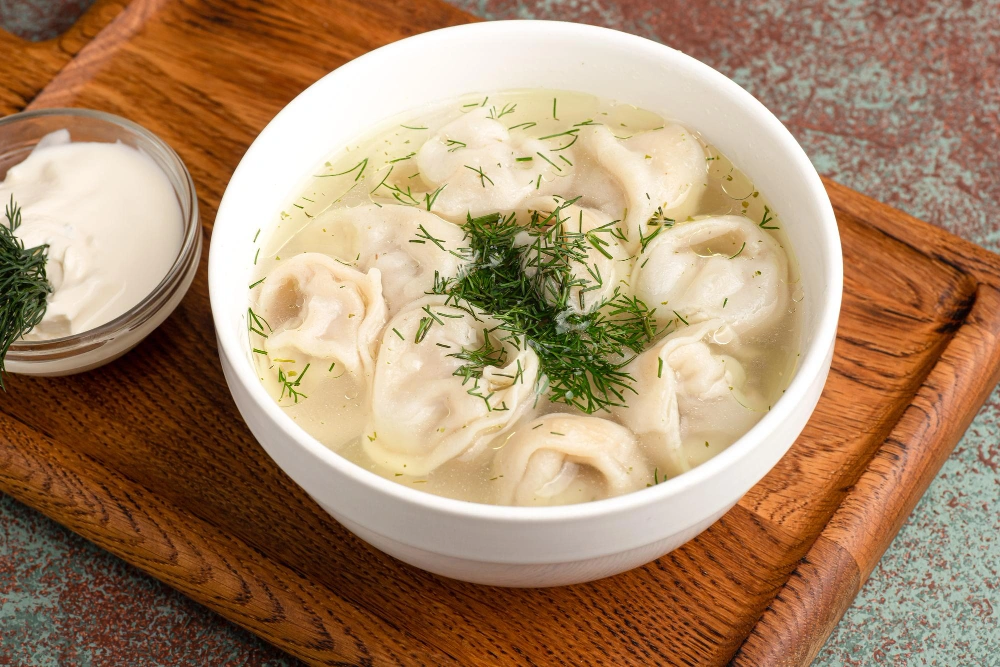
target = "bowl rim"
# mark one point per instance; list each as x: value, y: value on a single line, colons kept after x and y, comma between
x: 813, y: 362
x: 22, y: 351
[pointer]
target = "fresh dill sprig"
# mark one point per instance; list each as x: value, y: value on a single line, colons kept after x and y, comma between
x: 658, y: 218
x: 407, y: 197
x: 363, y: 165
x: 527, y: 288
x: 574, y: 133
x: 557, y: 167
x: 523, y: 126
x: 490, y: 353
x: 256, y: 323
x: 289, y: 385
x: 482, y: 175
x: 24, y: 287
x: 766, y: 218
x: 498, y: 114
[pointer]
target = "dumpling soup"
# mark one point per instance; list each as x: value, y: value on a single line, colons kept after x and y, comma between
x: 526, y: 298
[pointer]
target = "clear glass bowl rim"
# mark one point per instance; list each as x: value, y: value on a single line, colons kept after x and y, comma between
x: 24, y: 351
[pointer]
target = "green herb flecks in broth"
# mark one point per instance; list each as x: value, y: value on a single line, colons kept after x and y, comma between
x: 519, y: 269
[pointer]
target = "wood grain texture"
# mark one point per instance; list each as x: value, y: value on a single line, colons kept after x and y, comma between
x: 875, y: 507
x: 149, y: 458
x: 29, y: 66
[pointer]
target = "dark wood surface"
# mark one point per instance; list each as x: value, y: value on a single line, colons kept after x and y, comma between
x: 149, y: 459
x: 28, y: 66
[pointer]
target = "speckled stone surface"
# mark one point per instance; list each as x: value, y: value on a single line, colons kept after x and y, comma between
x: 898, y: 99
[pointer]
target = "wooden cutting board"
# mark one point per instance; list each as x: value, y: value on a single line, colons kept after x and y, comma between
x: 149, y: 459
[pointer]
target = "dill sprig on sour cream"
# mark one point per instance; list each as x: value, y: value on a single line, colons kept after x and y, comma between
x: 24, y: 287
x: 582, y: 354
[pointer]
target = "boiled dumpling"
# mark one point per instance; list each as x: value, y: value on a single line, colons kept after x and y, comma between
x: 475, y: 159
x: 321, y: 309
x: 661, y: 172
x: 688, y: 390
x: 603, y: 264
x: 425, y: 409
x: 724, y: 267
x: 565, y: 458
x: 407, y: 245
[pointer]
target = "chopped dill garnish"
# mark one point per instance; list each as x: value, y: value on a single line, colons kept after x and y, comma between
x: 422, y: 329
x: 257, y: 283
x: 400, y: 159
x: 330, y: 369
x: 396, y: 331
x: 382, y: 182
x: 423, y: 236
x: 507, y: 109
x: 523, y: 126
x: 527, y: 288
x: 289, y: 386
x: 656, y: 477
x: 482, y: 175
x: 363, y: 165
x: 725, y: 301
x: 524, y: 159
x: 256, y: 255
x: 256, y: 323
x: 407, y: 197
x: 567, y: 133
x: 554, y: 101
x: 739, y: 251
x: 455, y: 145
x: 658, y: 218
x: 490, y: 353
x: 659, y: 368
x: 558, y: 168
x: 431, y: 197
x: 680, y: 317
x: 644, y: 240
x: 766, y: 219
x: 256, y: 235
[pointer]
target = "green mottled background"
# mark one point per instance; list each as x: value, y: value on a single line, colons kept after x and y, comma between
x: 898, y: 99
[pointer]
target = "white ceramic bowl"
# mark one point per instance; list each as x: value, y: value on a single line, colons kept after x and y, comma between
x: 519, y: 546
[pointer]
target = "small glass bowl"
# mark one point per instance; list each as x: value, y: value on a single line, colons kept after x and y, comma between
x: 89, y: 349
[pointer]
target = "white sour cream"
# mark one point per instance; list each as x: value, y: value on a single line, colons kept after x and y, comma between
x: 112, y: 223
